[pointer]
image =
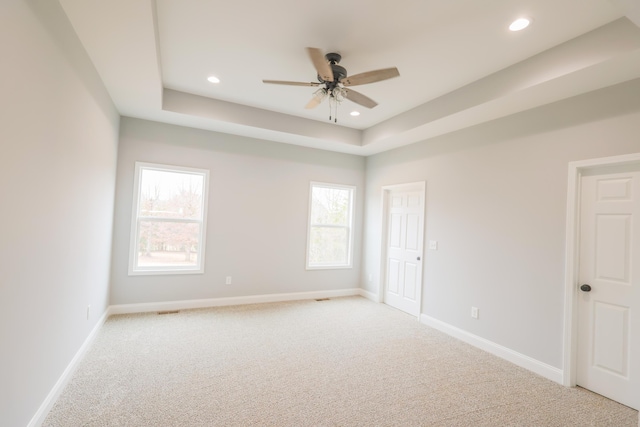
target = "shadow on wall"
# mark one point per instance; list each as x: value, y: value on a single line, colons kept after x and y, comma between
x: 621, y: 99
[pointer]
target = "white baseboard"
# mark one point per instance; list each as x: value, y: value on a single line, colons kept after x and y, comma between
x: 533, y: 365
x: 219, y: 302
x: 368, y: 295
x: 53, y: 395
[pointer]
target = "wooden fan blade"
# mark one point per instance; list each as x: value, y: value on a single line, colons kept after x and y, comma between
x: 283, y: 82
x: 315, y: 101
x: 371, y: 77
x: 320, y: 63
x: 359, y: 98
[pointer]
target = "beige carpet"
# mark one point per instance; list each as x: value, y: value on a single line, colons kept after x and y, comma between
x: 342, y: 362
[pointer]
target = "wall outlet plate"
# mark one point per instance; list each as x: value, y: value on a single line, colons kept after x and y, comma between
x: 475, y: 312
x: 227, y: 281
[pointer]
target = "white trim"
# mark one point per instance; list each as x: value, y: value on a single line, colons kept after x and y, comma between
x: 220, y: 302
x: 570, y: 341
x: 135, y: 221
x: 386, y: 189
x: 526, y: 362
x: 42, y: 412
x: 352, y: 197
x: 571, y: 276
x: 369, y: 295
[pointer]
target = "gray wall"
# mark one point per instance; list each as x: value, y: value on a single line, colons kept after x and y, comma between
x: 496, y: 196
x: 58, y: 137
x: 257, y: 213
x: 496, y: 204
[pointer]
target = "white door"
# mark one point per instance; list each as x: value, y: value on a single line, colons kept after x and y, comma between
x: 405, y: 225
x: 608, y: 358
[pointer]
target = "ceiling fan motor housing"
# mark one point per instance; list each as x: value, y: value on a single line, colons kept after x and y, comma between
x: 339, y: 72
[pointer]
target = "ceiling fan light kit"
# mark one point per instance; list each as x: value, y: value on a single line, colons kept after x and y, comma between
x: 333, y: 81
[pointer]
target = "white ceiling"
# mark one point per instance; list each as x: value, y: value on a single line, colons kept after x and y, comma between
x: 459, y: 64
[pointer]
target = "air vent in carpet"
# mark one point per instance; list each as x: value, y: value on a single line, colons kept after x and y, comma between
x: 323, y: 299
x: 169, y: 312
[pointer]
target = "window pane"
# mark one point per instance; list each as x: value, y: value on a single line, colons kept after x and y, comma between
x: 329, y: 246
x: 169, y: 220
x: 162, y: 243
x: 170, y: 194
x: 330, y: 206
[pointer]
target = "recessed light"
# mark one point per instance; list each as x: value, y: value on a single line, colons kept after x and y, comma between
x: 519, y: 24
x: 213, y: 79
x: 355, y: 113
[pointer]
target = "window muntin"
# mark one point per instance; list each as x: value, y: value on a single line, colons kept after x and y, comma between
x: 168, y: 225
x: 330, y: 231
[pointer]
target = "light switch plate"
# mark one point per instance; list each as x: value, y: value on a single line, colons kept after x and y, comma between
x: 433, y: 245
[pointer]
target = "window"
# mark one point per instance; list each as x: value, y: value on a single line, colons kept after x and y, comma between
x: 330, y: 226
x: 168, y: 221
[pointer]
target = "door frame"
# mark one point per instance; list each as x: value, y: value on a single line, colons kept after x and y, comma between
x: 420, y: 186
x: 576, y: 170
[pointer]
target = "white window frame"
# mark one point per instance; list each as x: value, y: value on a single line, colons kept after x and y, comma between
x: 352, y: 190
x: 135, y: 219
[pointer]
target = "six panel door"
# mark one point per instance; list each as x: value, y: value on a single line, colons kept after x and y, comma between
x: 404, y: 251
x: 608, y: 359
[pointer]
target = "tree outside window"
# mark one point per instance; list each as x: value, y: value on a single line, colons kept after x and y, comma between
x: 168, y: 226
x: 330, y: 226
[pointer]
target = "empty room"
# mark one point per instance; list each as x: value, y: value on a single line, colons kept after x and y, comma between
x: 410, y: 213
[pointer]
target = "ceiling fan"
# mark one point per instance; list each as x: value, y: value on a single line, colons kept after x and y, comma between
x: 333, y: 81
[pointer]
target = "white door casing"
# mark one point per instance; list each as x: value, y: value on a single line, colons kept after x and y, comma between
x: 608, y: 359
x: 403, y: 254
x: 576, y: 170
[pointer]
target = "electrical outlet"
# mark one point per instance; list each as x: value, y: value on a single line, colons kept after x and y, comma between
x: 475, y: 312
x: 88, y: 311
x: 228, y: 280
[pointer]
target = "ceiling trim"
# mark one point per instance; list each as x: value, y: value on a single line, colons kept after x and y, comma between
x: 602, y: 57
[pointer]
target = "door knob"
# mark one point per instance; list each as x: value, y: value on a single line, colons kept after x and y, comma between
x: 585, y: 288
x: 418, y: 258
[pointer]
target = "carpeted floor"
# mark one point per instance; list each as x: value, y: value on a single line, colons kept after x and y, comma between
x: 342, y: 362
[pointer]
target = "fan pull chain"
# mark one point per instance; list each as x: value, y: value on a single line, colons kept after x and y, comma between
x: 333, y: 101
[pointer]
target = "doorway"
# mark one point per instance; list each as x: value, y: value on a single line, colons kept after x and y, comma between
x: 402, y: 246
x: 602, y: 294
